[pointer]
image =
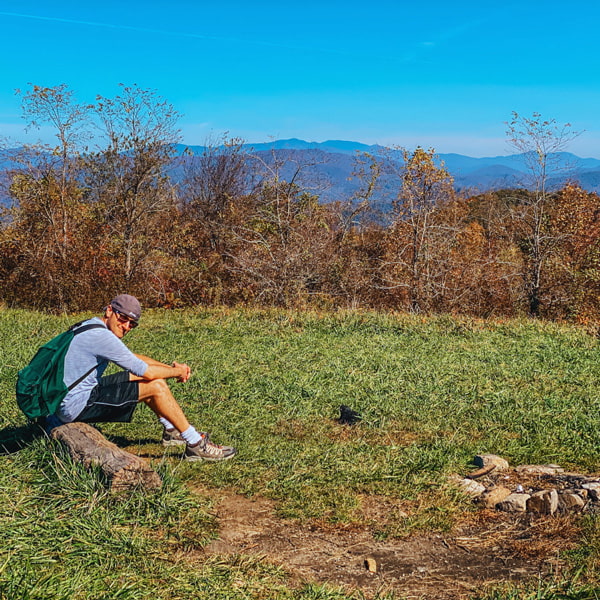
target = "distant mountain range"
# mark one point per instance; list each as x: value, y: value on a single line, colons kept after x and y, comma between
x: 327, y: 167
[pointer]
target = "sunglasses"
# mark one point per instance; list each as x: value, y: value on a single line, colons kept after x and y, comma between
x: 123, y: 318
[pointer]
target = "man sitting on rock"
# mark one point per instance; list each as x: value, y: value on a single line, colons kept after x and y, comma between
x: 113, y: 398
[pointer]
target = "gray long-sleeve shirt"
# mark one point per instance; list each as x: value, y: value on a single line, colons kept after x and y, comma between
x: 98, y: 346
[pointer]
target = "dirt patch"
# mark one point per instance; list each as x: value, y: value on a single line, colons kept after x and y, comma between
x: 488, y: 550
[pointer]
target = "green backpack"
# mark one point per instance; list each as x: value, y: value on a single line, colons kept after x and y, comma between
x: 40, y: 385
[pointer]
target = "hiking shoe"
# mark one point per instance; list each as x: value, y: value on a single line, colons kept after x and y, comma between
x: 172, y: 437
x: 206, y: 450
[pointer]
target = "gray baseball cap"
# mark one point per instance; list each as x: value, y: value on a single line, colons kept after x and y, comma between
x: 128, y: 305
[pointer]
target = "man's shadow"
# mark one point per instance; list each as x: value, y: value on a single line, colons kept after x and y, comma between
x: 13, y: 439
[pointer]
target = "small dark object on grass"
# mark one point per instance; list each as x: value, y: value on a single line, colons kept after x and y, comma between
x: 348, y: 416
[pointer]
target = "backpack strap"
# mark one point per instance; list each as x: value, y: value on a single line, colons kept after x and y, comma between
x: 78, y: 381
x: 76, y: 330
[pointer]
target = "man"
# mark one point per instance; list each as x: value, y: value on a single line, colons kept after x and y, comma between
x: 113, y: 398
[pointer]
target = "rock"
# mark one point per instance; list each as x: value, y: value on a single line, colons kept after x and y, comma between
x: 494, y: 496
x: 371, y: 564
x: 539, y: 469
x: 485, y: 460
x: 544, y: 502
x: 591, y: 484
x: 570, y: 501
x: 468, y: 486
x: 593, y: 490
x: 574, y: 476
x: 514, y: 503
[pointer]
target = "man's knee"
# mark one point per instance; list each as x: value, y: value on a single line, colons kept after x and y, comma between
x: 153, y: 389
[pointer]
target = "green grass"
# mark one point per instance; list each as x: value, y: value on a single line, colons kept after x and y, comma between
x: 433, y: 392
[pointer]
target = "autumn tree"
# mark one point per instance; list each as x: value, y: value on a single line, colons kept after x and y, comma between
x: 129, y: 181
x: 48, y: 218
x: 417, y: 239
x: 496, y: 271
x: 573, y: 276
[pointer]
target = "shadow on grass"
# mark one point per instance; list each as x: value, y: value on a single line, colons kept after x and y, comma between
x: 123, y: 441
x: 13, y: 439
x: 142, y: 447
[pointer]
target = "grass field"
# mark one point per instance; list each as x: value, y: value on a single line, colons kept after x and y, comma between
x: 432, y: 392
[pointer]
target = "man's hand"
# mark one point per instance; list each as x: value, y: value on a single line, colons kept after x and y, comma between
x: 158, y: 370
x: 187, y: 372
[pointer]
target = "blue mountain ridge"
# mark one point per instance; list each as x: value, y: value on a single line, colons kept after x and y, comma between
x: 328, y: 167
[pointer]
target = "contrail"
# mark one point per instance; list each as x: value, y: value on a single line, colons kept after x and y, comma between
x: 199, y: 36
x: 406, y: 57
x: 124, y: 27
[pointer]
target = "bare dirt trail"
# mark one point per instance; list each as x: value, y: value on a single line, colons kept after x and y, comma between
x: 421, y: 566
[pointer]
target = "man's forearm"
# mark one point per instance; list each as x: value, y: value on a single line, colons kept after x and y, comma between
x: 161, y: 371
x: 158, y: 370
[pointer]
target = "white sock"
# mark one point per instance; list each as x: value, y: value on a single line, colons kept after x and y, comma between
x: 191, y: 436
x: 166, y: 423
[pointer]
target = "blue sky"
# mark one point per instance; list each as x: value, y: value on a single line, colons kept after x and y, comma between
x: 437, y: 74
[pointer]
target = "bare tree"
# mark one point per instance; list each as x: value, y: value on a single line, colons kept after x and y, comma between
x: 284, y: 244
x: 367, y: 170
x: 213, y: 182
x: 540, y: 141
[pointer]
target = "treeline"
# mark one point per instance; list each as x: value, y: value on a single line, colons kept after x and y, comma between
x: 111, y: 208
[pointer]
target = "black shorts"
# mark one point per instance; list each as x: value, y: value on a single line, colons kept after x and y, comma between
x: 113, y: 400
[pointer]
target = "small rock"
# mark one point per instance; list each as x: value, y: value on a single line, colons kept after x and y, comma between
x: 494, y: 496
x: 485, y: 460
x: 468, y: 486
x: 593, y: 490
x: 544, y: 502
x: 371, y: 564
x: 514, y: 503
x: 574, y: 476
x: 539, y: 469
x: 569, y: 501
x: 591, y: 484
